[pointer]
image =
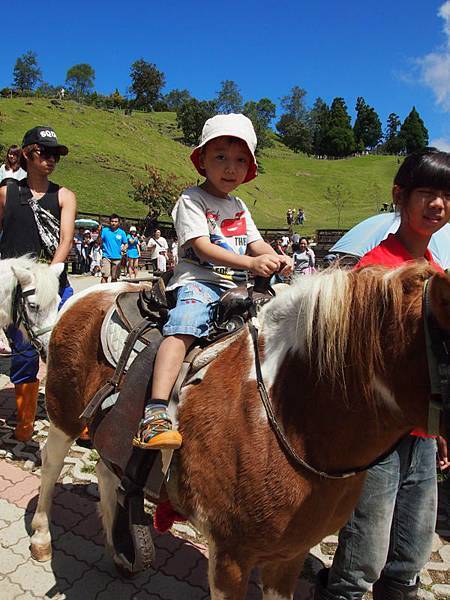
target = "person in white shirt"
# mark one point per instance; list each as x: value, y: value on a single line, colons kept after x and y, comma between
x: 11, y: 167
x: 159, y: 247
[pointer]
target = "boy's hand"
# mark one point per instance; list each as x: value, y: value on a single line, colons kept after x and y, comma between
x: 286, y: 264
x: 265, y: 264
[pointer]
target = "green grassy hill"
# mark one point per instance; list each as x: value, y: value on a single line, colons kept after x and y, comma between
x: 108, y: 147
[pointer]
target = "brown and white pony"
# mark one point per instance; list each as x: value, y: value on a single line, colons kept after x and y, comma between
x: 344, y: 362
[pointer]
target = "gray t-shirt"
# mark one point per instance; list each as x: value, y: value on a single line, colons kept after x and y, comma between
x: 225, y: 221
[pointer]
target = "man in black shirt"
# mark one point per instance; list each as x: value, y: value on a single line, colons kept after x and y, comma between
x: 36, y: 216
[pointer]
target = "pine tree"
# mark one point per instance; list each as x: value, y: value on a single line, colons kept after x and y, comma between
x: 367, y: 128
x: 26, y: 72
x: 413, y: 133
x: 319, y: 118
x: 393, y: 143
x: 339, y: 140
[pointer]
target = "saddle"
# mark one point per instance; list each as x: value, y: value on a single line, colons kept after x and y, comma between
x: 114, y: 413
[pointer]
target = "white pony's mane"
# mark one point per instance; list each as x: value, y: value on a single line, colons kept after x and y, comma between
x: 45, y: 279
x: 332, y: 317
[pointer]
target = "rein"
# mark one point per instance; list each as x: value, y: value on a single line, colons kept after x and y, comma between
x: 20, y: 315
x: 281, y: 434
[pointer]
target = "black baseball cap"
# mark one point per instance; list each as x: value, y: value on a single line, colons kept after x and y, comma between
x: 45, y: 136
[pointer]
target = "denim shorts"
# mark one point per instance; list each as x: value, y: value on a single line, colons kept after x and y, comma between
x: 194, y: 310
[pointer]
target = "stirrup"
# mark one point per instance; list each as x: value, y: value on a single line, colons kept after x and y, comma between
x: 156, y: 433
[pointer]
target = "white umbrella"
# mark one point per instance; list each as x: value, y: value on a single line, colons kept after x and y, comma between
x: 369, y: 233
x: 86, y: 223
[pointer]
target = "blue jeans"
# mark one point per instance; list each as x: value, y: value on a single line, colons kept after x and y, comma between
x: 391, y: 529
x: 25, y: 364
x: 193, y: 312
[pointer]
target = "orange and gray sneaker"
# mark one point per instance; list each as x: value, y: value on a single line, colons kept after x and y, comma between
x: 156, y: 431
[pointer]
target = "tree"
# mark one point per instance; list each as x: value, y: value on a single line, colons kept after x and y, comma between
x: 319, y: 118
x: 80, y: 79
x: 293, y: 125
x: 146, y: 84
x: 393, y: 143
x: 191, y: 117
x: 338, y: 196
x: 158, y: 192
x: 26, y: 72
x: 229, y: 98
x: 339, y: 140
x: 294, y: 104
x: 261, y: 114
x: 117, y: 100
x: 413, y: 133
x: 175, y: 98
x: 367, y: 127
x: 294, y: 134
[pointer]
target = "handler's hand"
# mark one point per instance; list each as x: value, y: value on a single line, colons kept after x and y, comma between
x: 286, y: 264
x: 443, y: 458
x: 265, y: 264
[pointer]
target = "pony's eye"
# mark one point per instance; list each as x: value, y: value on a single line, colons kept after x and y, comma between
x: 33, y: 306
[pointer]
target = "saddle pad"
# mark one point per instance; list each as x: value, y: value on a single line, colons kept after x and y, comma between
x: 113, y: 335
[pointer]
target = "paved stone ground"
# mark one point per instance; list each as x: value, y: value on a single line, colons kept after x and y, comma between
x: 80, y: 570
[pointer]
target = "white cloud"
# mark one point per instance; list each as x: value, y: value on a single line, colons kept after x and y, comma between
x: 435, y: 66
x: 441, y: 144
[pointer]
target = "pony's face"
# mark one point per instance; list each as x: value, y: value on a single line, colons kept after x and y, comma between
x: 40, y: 285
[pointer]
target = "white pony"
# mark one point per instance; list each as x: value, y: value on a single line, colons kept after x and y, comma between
x: 29, y: 296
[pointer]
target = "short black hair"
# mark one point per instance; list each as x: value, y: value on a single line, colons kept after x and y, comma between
x: 114, y: 216
x: 429, y: 167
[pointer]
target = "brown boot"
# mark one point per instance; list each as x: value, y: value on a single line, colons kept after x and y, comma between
x: 26, y: 400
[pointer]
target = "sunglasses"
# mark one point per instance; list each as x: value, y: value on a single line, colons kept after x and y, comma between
x: 46, y: 153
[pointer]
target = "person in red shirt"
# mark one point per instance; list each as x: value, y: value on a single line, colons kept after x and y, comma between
x: 388, y: 538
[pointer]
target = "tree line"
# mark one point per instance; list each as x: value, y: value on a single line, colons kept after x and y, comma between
x: 320, y: 130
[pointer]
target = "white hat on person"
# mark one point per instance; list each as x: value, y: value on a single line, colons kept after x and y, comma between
x: 231, y: 125
x: 133, y: 228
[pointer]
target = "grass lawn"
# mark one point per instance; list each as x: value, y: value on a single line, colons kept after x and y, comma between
x: 107, y: 148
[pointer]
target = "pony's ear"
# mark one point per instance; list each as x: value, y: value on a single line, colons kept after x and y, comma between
x: 440, y: 299
x: 57, y: 268
x: 24, y: 277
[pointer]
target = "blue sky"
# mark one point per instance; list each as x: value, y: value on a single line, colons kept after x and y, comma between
x: 394, y: 53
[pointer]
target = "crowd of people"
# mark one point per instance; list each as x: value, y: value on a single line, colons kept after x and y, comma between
x: 388, y: 538
x: 110, y: 251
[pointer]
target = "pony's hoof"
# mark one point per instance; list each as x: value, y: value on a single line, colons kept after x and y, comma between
x: 41, y: 552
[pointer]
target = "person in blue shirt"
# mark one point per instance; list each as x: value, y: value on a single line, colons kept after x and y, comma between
x: 114, y: 246
x: 133, y: 251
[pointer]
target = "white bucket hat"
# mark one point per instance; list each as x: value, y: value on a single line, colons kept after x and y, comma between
x: 232, y: 125
x: 133, y: 228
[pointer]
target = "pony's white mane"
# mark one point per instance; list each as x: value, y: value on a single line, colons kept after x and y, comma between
x: 45, y: 279
x: 313, y: 308
x: 325, y: 316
